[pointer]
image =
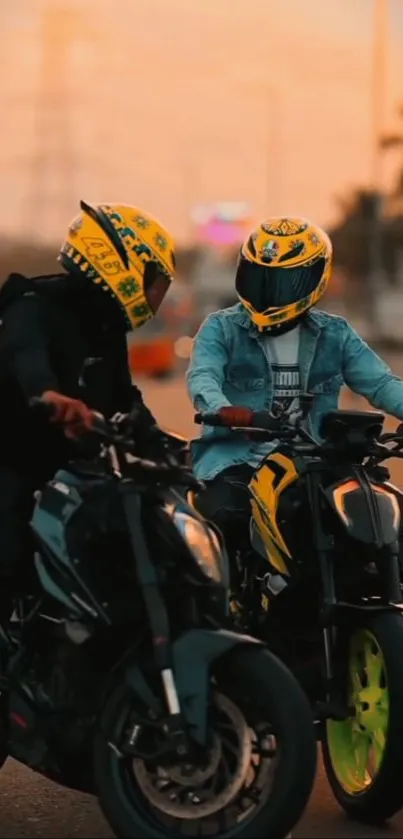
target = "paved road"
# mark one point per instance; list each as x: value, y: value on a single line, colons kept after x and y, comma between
x: 33, y: 807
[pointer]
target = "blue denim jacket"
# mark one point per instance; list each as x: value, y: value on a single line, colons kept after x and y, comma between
x: 228, y: 367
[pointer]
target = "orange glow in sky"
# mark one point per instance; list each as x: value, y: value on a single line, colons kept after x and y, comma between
x: 168, y: 103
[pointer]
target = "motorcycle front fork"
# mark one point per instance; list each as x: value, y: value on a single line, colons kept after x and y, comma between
x: 335, y: 705
x: 389, y: 570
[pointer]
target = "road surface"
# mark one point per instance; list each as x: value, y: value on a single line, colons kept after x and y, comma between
x: 33, y: 807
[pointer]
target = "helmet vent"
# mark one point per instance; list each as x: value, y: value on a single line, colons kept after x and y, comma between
x: 251, y: 245
x: 297, y: 250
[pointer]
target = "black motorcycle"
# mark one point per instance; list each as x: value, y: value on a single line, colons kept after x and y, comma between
x: 321, y: 583
x: 121, y: 676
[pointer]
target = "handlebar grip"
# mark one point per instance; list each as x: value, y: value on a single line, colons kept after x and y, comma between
x: 100, y: 424
x: 259, y: 420
x: 38, y: 404
x: 209, y: 419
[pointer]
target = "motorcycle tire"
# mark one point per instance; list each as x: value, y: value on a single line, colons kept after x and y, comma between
x: 252, y: 689
x: 363, y: 755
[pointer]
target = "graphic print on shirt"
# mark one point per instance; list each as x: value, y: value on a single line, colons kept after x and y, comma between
x: 286, y: 389
x: 281, y: 352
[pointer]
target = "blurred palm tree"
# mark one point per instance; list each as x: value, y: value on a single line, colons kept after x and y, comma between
x: 351, y: 236
x: 394, y: 140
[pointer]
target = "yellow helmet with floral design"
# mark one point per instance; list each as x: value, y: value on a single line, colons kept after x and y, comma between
x: 283, y: 270
x: 125, y: 251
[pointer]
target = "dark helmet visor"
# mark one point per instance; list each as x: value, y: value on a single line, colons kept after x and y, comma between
x: 264, y: 287
x: 156, y: 285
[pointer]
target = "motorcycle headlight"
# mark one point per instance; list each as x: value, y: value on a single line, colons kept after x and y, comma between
x: 202, y: 543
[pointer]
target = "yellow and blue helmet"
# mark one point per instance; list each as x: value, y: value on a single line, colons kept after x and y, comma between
x: 283, y: 270
x: 126, y: 252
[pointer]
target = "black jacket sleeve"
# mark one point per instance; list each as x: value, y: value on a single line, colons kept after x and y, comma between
x: 25, y: 344
x: 127, y: 394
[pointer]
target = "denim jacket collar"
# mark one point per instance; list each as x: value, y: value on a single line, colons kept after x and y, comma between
x: 311, y: 328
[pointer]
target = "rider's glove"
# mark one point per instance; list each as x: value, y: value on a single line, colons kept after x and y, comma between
x: 74, y: 415
x: 236, y: 416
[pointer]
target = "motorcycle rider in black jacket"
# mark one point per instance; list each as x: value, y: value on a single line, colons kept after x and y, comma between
x: 63, y: 338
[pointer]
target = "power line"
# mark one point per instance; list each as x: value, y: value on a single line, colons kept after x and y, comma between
x: 53, y: 164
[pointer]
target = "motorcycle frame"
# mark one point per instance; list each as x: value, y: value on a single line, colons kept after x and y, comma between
x: 183, y: 664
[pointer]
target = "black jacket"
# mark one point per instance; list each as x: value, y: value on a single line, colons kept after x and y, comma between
x: 58, y: 333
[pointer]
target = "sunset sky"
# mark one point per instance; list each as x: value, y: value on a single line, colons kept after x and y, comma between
x: 169, y: 103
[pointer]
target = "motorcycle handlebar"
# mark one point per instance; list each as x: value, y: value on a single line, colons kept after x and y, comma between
x: 209, y: 419
x: 260, y: 421
x: 271, y: 427
x: 100, y: 426
x: 107, y: 433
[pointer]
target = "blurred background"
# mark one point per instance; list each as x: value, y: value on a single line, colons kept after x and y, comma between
x: 210, y: 114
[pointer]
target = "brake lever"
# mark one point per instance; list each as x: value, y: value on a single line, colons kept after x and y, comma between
x: 386, y: 438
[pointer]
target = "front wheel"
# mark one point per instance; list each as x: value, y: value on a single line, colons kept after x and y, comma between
x: 363, y: 755
x: 255, y: 780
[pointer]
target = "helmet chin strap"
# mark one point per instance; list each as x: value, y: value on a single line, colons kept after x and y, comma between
x: 282, y: 328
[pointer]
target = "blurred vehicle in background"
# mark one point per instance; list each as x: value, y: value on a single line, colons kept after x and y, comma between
x: 152, y: 354
x: 155, y: 350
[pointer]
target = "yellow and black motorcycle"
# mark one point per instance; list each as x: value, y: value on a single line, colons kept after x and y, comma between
x: 322, y: 585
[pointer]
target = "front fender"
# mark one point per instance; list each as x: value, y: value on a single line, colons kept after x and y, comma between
x: 193, y: 654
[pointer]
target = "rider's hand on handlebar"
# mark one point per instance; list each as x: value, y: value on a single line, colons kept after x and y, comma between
x: 236, y: 416
x: 73, y: 414
x: 241, y: 417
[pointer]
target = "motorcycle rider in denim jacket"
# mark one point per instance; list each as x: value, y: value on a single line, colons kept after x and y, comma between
x: 269, y: 349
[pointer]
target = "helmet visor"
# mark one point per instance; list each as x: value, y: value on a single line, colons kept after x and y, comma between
x: 275, y: 288
x: 156, y: 285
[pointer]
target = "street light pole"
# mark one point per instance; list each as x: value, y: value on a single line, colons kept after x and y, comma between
x: 270, y: 100
x: 274, y: 150
x: 379, y: 66
x: 191, y: 195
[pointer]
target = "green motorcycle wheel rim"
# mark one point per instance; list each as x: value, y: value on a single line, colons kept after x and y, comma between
x: 356, y: 746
